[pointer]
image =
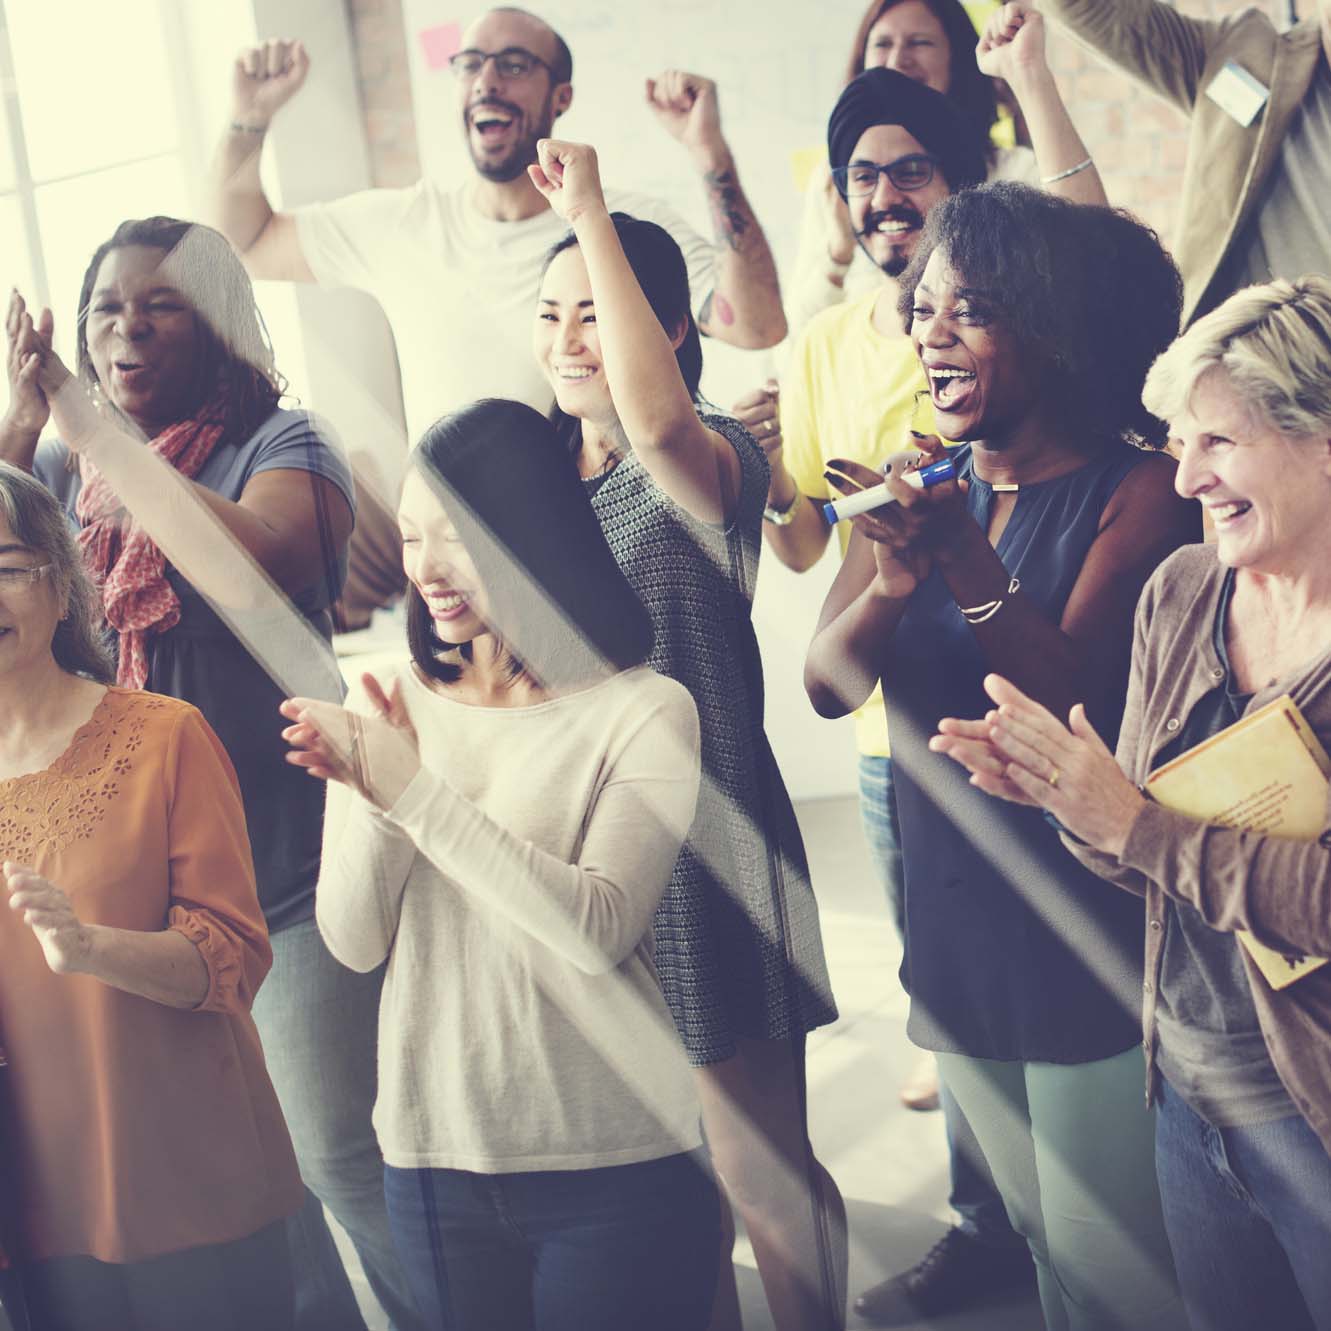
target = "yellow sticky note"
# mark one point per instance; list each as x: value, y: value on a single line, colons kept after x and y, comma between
x: 803, y: 163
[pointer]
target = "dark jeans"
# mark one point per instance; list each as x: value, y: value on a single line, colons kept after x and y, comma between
x: 1248, y: 1212
x: 223, y: 1287
x: 974, y: 1196
x: 571, y: 1250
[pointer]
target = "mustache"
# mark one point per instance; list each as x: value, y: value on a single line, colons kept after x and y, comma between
x: 898, y: 212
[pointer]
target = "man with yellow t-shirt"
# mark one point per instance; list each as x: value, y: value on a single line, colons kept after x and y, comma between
x: 896, y: 148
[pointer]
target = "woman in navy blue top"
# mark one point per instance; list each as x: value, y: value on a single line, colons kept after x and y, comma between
x: 1035, y: 321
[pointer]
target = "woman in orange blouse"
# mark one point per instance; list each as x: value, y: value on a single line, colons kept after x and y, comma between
x: 154, y: 1169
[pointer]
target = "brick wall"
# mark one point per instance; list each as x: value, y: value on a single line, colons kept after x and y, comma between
x: 385, y: 89
x: 1138, y: 141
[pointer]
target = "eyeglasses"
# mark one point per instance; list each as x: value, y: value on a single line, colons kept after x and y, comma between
x: 20, y: 579
x: 513, y: 62
x: 906, y: 174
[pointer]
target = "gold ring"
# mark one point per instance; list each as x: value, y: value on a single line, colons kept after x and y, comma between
x: 1052, y: 778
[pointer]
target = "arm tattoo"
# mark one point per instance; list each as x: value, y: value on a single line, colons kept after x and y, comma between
x: 730, y: 209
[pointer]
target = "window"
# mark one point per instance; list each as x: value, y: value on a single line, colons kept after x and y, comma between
x: 91, y: 115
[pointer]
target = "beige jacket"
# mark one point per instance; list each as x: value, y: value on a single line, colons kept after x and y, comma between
x: 1177, y: 57
x: 1280, y: 890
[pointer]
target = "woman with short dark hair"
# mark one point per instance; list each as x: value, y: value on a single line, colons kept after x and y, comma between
x: 514, y: 811
x: 1035, y: 321
x: 1240, y: 1069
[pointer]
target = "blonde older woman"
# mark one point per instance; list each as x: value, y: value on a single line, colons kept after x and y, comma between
x: 1241, y: 1071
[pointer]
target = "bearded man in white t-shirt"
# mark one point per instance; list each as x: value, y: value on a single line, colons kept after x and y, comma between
x: 456, y: 265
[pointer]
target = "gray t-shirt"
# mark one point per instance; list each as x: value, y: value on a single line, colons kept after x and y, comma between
x: 202, y: 662
x: 1290, y: 232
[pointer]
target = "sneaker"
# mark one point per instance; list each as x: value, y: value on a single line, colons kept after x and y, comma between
x: 957, y: 1273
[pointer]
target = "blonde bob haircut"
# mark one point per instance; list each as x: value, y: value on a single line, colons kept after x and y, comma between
x: 1273, y: 343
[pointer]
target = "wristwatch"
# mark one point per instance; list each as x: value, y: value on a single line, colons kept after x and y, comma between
x: 782, y: 517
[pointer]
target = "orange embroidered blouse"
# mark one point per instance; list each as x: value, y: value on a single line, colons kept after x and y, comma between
x: 139, y: 1129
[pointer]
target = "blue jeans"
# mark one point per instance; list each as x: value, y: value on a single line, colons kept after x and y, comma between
x: 1249, y: 1217
x: 974, y: 1196
x: 572, y: 1250
x: 319, y: 1025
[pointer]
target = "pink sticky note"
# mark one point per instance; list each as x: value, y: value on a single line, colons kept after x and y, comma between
x: 439, y: 43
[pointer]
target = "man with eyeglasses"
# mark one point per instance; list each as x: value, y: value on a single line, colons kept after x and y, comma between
x: 456, y: 265
x: 897, y: 147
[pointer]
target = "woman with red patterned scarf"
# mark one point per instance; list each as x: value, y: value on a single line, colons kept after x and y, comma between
x: 176, y: 436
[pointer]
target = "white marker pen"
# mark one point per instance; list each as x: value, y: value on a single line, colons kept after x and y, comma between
x: 876, y: 496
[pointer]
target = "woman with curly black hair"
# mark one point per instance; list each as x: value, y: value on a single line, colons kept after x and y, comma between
x: 1035, y: 321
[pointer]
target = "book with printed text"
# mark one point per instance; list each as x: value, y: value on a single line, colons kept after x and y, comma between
x: 1267, y: 773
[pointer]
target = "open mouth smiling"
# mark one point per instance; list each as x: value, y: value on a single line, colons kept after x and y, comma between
x: 949, y: 386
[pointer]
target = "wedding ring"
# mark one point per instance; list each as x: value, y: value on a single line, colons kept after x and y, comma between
x: 1052, y: 778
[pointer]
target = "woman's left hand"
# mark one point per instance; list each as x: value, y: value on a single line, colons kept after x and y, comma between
x: 568, y: 176
x: 65, y: 940
x: 377, y: 756
x: 1022, y: 752
x: 921, y: 523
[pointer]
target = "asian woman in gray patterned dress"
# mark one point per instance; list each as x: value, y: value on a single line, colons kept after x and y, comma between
x: 680, y: 495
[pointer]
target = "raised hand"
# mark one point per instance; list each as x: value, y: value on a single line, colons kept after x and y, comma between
x: 376, y: 756
x: 688, y: 106
x: 265, y: 78
x: 1013, y: 42
x: 568, y: 175
x: 47, y: 911
x: 28, y: 344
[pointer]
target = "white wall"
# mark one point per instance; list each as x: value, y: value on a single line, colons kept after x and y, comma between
x: 778, y: 68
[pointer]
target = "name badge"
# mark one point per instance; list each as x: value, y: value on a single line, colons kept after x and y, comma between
x: 1238, y: 93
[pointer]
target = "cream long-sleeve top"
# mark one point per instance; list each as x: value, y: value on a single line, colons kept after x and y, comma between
x: 511, y: 889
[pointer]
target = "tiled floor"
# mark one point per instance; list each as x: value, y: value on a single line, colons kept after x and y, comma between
x: 890, y: 1163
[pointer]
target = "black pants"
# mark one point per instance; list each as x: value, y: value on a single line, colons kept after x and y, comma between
x: 240, y: 1286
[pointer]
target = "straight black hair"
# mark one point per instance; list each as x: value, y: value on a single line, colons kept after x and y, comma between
x: 557, y: 598
x: 658, y: 264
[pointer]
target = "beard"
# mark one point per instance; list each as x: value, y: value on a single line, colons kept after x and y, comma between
x: 900, y: 252
x: 523, y: 152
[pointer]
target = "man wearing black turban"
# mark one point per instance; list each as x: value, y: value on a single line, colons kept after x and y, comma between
x: 885, y: 120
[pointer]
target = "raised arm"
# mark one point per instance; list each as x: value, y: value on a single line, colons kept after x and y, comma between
x: 1012, y: 48
x: 263, y: 79
x: 1149, y: 41
x: 744, y: 307
x: 695, y: 466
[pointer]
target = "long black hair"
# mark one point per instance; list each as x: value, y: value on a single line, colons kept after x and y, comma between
x: 234, y: 341
x: 557, y: 598
x: 658, y: 264
x: 1089, y: 293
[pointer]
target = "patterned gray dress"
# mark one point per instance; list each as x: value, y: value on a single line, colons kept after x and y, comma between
x: 738, y: 946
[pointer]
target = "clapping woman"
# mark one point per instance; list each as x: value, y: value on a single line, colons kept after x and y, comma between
x: 1240, y: 1071
x: 154, y: 1170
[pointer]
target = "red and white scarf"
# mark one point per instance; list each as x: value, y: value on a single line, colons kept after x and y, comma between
x: 123, y: 559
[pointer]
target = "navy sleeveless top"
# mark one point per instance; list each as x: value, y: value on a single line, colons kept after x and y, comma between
x: 1012, y: 949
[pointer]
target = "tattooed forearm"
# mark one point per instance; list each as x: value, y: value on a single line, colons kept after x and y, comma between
x: 730, y: 209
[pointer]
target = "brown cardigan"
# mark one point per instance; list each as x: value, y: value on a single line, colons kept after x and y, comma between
x: 1278, y: 889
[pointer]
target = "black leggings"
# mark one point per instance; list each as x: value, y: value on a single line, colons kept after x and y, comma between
x: 240, y: 1286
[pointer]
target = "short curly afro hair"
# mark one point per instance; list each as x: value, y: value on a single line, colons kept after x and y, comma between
x: 1088, y: 292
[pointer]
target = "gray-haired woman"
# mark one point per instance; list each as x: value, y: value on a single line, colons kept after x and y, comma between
x: 1241, y: 1071
x: 154, y: 1171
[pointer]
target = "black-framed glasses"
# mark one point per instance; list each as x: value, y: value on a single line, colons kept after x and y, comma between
x: 906, y: 174
x: 513, y: 62
x: 20, y: 579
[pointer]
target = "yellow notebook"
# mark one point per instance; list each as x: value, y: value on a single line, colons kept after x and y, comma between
x: 1266, y: 773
